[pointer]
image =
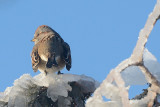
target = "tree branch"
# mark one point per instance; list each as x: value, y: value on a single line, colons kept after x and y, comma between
x: 135, y: 59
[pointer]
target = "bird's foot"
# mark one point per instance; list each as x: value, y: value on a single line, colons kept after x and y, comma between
x: 46, y: 72
x: 59, y: 72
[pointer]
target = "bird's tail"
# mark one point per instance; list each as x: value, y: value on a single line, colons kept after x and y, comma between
x: 51, y: 61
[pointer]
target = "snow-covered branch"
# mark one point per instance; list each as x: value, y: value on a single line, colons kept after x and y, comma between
x: 52, y: 90
x: 69, y: 90
x: 136, y: 59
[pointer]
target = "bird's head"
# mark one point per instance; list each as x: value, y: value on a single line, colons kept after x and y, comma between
x: 39, y: 33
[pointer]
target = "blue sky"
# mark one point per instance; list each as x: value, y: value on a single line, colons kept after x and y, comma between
x: 101, y: 33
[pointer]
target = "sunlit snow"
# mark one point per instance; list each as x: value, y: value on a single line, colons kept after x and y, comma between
x: 25, y: 88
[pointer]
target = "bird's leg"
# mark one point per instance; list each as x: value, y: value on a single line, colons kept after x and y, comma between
x: 45, y: 72
x: 59, y: 72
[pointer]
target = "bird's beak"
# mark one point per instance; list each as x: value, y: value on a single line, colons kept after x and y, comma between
x: 33, y: 40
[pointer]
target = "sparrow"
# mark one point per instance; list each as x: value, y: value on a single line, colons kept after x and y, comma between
x: 50, y: 53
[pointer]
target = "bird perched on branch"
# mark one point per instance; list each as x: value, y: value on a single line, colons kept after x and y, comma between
x: 50, y: 53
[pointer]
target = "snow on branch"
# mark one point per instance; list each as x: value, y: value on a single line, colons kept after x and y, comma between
x: 53, y: 90
x: 115, y: 86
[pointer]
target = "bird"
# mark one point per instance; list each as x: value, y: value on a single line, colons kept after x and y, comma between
x: 50, y: 52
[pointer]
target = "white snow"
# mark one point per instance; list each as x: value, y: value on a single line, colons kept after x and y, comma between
x: 25, y: 88
x: 133, y: 75
x: 152, y: 64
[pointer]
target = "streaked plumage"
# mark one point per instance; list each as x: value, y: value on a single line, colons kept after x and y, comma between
x: 50, y: 53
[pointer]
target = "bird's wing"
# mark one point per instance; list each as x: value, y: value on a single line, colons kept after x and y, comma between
x: 67, y: 56
x: 35, y: 58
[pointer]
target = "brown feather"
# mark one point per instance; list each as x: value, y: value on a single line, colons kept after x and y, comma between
x: 35, y: 58
x: 67, y: 56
